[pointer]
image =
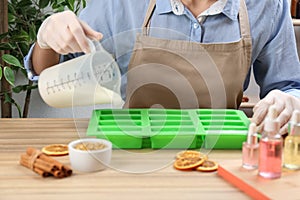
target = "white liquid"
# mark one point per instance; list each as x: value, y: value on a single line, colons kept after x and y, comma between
x: 84, y: 96
x: 73, y: 82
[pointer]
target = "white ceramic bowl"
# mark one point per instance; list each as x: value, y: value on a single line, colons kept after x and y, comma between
x: 91, y: 160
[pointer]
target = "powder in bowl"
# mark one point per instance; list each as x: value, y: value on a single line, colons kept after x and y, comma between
x: 90, y: 154
x: 89, y: 146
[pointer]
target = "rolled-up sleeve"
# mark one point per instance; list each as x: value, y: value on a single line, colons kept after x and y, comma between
x: 277, y: 65
x: 28, y: 66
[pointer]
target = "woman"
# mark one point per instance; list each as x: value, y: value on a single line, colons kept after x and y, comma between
x: 187, y: 53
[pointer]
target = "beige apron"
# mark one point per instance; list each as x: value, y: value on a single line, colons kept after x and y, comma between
x: 183, y: 74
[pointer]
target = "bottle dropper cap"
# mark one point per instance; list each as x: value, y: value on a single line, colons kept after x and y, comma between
x: 271, y: 124
x: 294, y: 124
x: 252, y: 135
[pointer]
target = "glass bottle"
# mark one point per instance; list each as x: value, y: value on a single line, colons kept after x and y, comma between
x: 292, y: 143
x: 270, y: 147
x: 250, y: 149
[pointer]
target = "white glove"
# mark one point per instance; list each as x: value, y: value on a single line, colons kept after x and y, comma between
x: 285, y: 105
x: 65, y: 33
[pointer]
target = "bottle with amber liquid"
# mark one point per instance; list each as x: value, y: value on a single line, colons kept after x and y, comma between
x: 292, y: 143
x: 270, y: 148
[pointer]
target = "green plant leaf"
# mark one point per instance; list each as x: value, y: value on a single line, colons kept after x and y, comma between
x: 5, y: 46
x: 32, y: 32
x: 8, y: 99
x: 59, y: 9
x: 30, y: 13
x: 83, y: 3
x: 9, y: 75
x: 19, y: 88
x: 24, y: 3
x: 1, y: 73
x: 14, y: 1
x: 71, y: 4
x: 43, y: 3
x: 24, y: 47
x: 3, y: 35
x: 12, y: 60
x: 61, y: 1
x: 11, y: 8
x: 11, y: 18
x: 20, y: 36
x: 32, y: 87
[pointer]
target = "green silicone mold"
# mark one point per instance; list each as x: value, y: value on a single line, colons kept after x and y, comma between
x: 170, y: 128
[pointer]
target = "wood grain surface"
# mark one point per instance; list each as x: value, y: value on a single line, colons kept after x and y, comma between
x: 133, y: 174
x: 285, y: 187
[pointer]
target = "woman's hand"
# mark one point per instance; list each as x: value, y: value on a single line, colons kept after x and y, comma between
x: 285, y: 105
x: 65, y: 33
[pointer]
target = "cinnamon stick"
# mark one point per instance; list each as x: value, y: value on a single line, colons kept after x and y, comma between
x: 37, y: 170
x: 58, y: 174
x: 67, y: 170
x: 41, y: 172
x: 31, y: 151
x: 43, y: 164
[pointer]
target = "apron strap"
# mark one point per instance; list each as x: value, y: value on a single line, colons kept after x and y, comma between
x: 245, y: 30
x: 244, y: 20
x: 243, y: 17
x: 149, y: 13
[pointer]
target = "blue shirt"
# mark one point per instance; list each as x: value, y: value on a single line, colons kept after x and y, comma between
x: 275, y: 61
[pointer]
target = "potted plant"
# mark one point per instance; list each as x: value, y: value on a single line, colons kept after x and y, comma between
x: 24, y: 20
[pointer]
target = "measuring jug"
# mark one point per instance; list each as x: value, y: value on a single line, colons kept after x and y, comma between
x: 90, y: 79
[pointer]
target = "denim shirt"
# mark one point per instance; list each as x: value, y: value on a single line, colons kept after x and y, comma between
x: 275, y: 61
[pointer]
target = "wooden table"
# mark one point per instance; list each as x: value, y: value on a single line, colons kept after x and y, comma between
x: 135, y: 174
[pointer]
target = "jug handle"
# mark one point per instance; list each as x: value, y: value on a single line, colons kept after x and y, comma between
x: 95, y: 45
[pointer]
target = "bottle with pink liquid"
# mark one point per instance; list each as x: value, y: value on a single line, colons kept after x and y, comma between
x: 250, y: 149
x: 270, y: 147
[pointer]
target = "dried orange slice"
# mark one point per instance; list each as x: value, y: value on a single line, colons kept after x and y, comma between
x: 185, y: 163
x: 190, y: 153
x: 208, y: 166
x: 56, y: 150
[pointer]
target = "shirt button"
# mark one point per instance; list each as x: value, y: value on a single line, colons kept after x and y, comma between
x: 195, y: 25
